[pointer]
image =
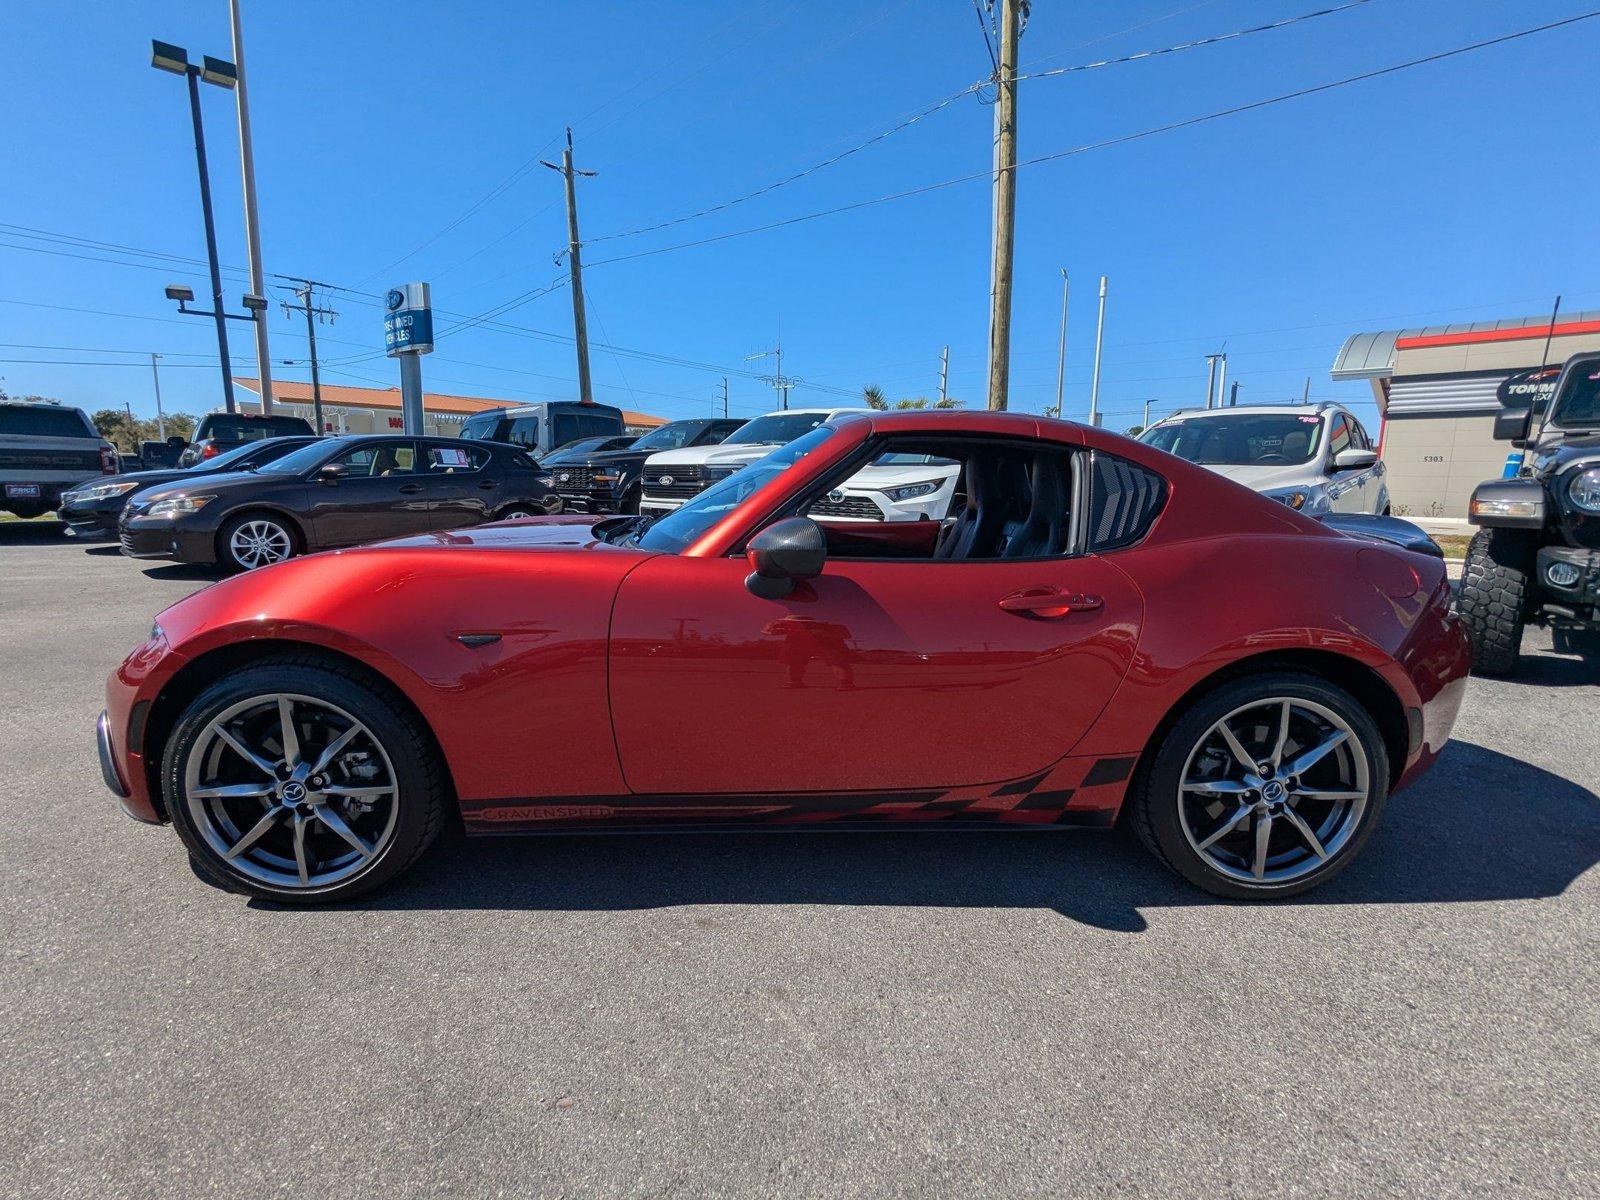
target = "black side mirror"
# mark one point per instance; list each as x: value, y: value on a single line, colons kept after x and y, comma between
x: 787, y: 550
x: 331, y: 473
x: 1512, y: 424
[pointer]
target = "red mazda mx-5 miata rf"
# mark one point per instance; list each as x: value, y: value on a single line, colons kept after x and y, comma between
x: 1095, y: 629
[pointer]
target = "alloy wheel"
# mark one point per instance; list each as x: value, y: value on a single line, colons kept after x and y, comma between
x: 291, y: 791
x: 259, y: 543
x: 1274, y: 790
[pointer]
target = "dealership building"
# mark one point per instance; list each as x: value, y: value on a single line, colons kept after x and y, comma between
x: 1437, y: 394
x: 377, y: 410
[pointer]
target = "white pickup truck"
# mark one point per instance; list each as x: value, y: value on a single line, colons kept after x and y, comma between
x: 45, y: 449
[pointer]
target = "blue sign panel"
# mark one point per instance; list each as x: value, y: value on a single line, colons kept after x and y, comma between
x: 408, y: 321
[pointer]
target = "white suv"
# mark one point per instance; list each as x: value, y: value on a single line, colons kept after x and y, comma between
x: 1316, y: 458
x: 674, y: 476
x: 895, y: 487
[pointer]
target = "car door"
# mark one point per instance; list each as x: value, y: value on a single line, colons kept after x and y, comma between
x: 878, y: 674
x: 461, y: 482
x: 380, y: 494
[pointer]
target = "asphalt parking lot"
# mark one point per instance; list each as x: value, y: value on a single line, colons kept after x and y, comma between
x: 936, y: 1014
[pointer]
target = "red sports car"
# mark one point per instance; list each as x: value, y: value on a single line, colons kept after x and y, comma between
x: 1097, y: 629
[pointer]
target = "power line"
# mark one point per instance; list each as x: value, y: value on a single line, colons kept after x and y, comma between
x: 1122, y: 139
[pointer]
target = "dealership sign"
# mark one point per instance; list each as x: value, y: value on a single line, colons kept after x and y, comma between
x: 1529, y: 389
x: 408, y: 320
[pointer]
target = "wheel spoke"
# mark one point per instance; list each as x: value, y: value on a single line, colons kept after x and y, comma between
x: 1283, y: 733
x: 1299, y: 823
x: 291, y: 739
x: 1246, y: 759
x: 300, y: 849
x: 338, y: 789
x: 1263, y: 836
x: 248, y: 754
x: 333, y: 748
x: 1304, y: 761
x: 232, y: 791
x: 1226, y: 827
x: 254, y: 836
x: 339, y: 825
x: 1217, y: 787
x: 1318, y: 794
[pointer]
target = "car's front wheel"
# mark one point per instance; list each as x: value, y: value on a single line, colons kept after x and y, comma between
x: 256, y: 540
x: 1494, y: 597
x: 302, y: 781
x: 1265, y: 787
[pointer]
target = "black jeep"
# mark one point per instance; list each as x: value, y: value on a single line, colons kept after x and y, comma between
x: 1536, y: 556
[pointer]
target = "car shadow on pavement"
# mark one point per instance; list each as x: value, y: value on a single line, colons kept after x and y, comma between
x: 1480, y: 826
x: 183, y: 572
x: 34, y: 533
x: 1574, y: 661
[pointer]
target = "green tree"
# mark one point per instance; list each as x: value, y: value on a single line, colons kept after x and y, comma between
x: 126, y: 433
x: 873, y: 395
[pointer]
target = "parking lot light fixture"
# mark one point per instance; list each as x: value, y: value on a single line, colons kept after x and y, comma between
x: 164, y: 56
x: 256, y: 304
x: 182, y: 293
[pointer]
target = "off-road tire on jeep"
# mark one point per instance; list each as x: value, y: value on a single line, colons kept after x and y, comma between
x: 1493, y: 603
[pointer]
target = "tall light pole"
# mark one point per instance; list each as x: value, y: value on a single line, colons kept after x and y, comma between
x: 1061, y: 351
x: 1099, y: 339
x: 252, y: 221
x: 166, y: 57
x: 161, y: 417
x: 1211, y: 377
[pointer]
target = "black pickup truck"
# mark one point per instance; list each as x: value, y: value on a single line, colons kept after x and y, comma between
x: 608, y: 481
x: 1536, y: 555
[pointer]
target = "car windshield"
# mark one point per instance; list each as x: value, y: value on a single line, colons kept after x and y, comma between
x: 1580, y: 406
x: 304, y: 459
x: 669, y: 437
x: 775, y: 429
x: 246, y: 428
x: 1241, y: 439
x: 680, y: 528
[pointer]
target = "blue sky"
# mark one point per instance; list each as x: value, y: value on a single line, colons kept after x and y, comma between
x: 1456, y: 191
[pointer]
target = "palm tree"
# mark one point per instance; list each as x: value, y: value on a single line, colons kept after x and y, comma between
x: 873, y: 395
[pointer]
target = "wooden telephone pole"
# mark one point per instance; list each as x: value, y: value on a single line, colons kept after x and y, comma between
x: 1012, y: 15
x: 580, y: 326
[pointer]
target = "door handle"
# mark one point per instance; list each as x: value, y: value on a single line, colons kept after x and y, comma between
x: 488, y: 484
x: 410, y: 489
x: 1048, y: 602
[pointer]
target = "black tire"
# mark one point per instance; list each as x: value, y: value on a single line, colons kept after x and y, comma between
x: 423, y: 796
x: 231, y: 562
x: 1155, y: 796
x: 1493, y: 603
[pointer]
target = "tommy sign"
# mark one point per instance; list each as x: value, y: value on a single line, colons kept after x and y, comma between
x: 408, y: 320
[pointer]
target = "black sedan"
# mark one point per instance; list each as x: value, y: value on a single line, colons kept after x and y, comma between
x: 335, y: 492
x: 92, y: 509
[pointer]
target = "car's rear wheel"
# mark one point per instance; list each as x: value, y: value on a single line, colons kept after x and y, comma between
x: 1494, y: 597
x: 517, y: 513
x: 1266, y: 787
x: 301, y: 781
x: 254, y: 540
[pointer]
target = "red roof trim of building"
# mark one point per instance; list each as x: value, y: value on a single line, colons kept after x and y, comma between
x: 1517, y: 334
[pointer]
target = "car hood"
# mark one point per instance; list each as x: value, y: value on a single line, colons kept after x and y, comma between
x: 1264, y: 479
x: 569, y: 531
x: 222, y: 481
x: 1555, y: 457
x: 143, y: 478
x: 695, y: 456
x: 888, y: 475
x: 602, y: 459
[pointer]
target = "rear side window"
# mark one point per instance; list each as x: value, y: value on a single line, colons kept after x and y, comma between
x: 523, y: 431
x: 1124, y: 502
x: 40, y: 420
x: 451, y: 460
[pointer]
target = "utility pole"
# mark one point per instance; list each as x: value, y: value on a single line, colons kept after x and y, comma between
x: 1233, y: 396
x: 319, y: 311
x: 161, y: 417
x: 724, y: 396
x: 780, y: 382
x: 944, y: 376
x: 1211, y: 378
x: 1013, y: 14
x: 1061, y: 349
x: 580, y: 326
x: 1099, y: 339
x: 252, y: 220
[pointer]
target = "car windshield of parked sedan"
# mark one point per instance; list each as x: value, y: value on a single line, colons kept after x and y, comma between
x: 680, y: 528
x: 302, y: 460
x: 775, y: 430
x: 669, y: 437
x: 1241, y: 439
